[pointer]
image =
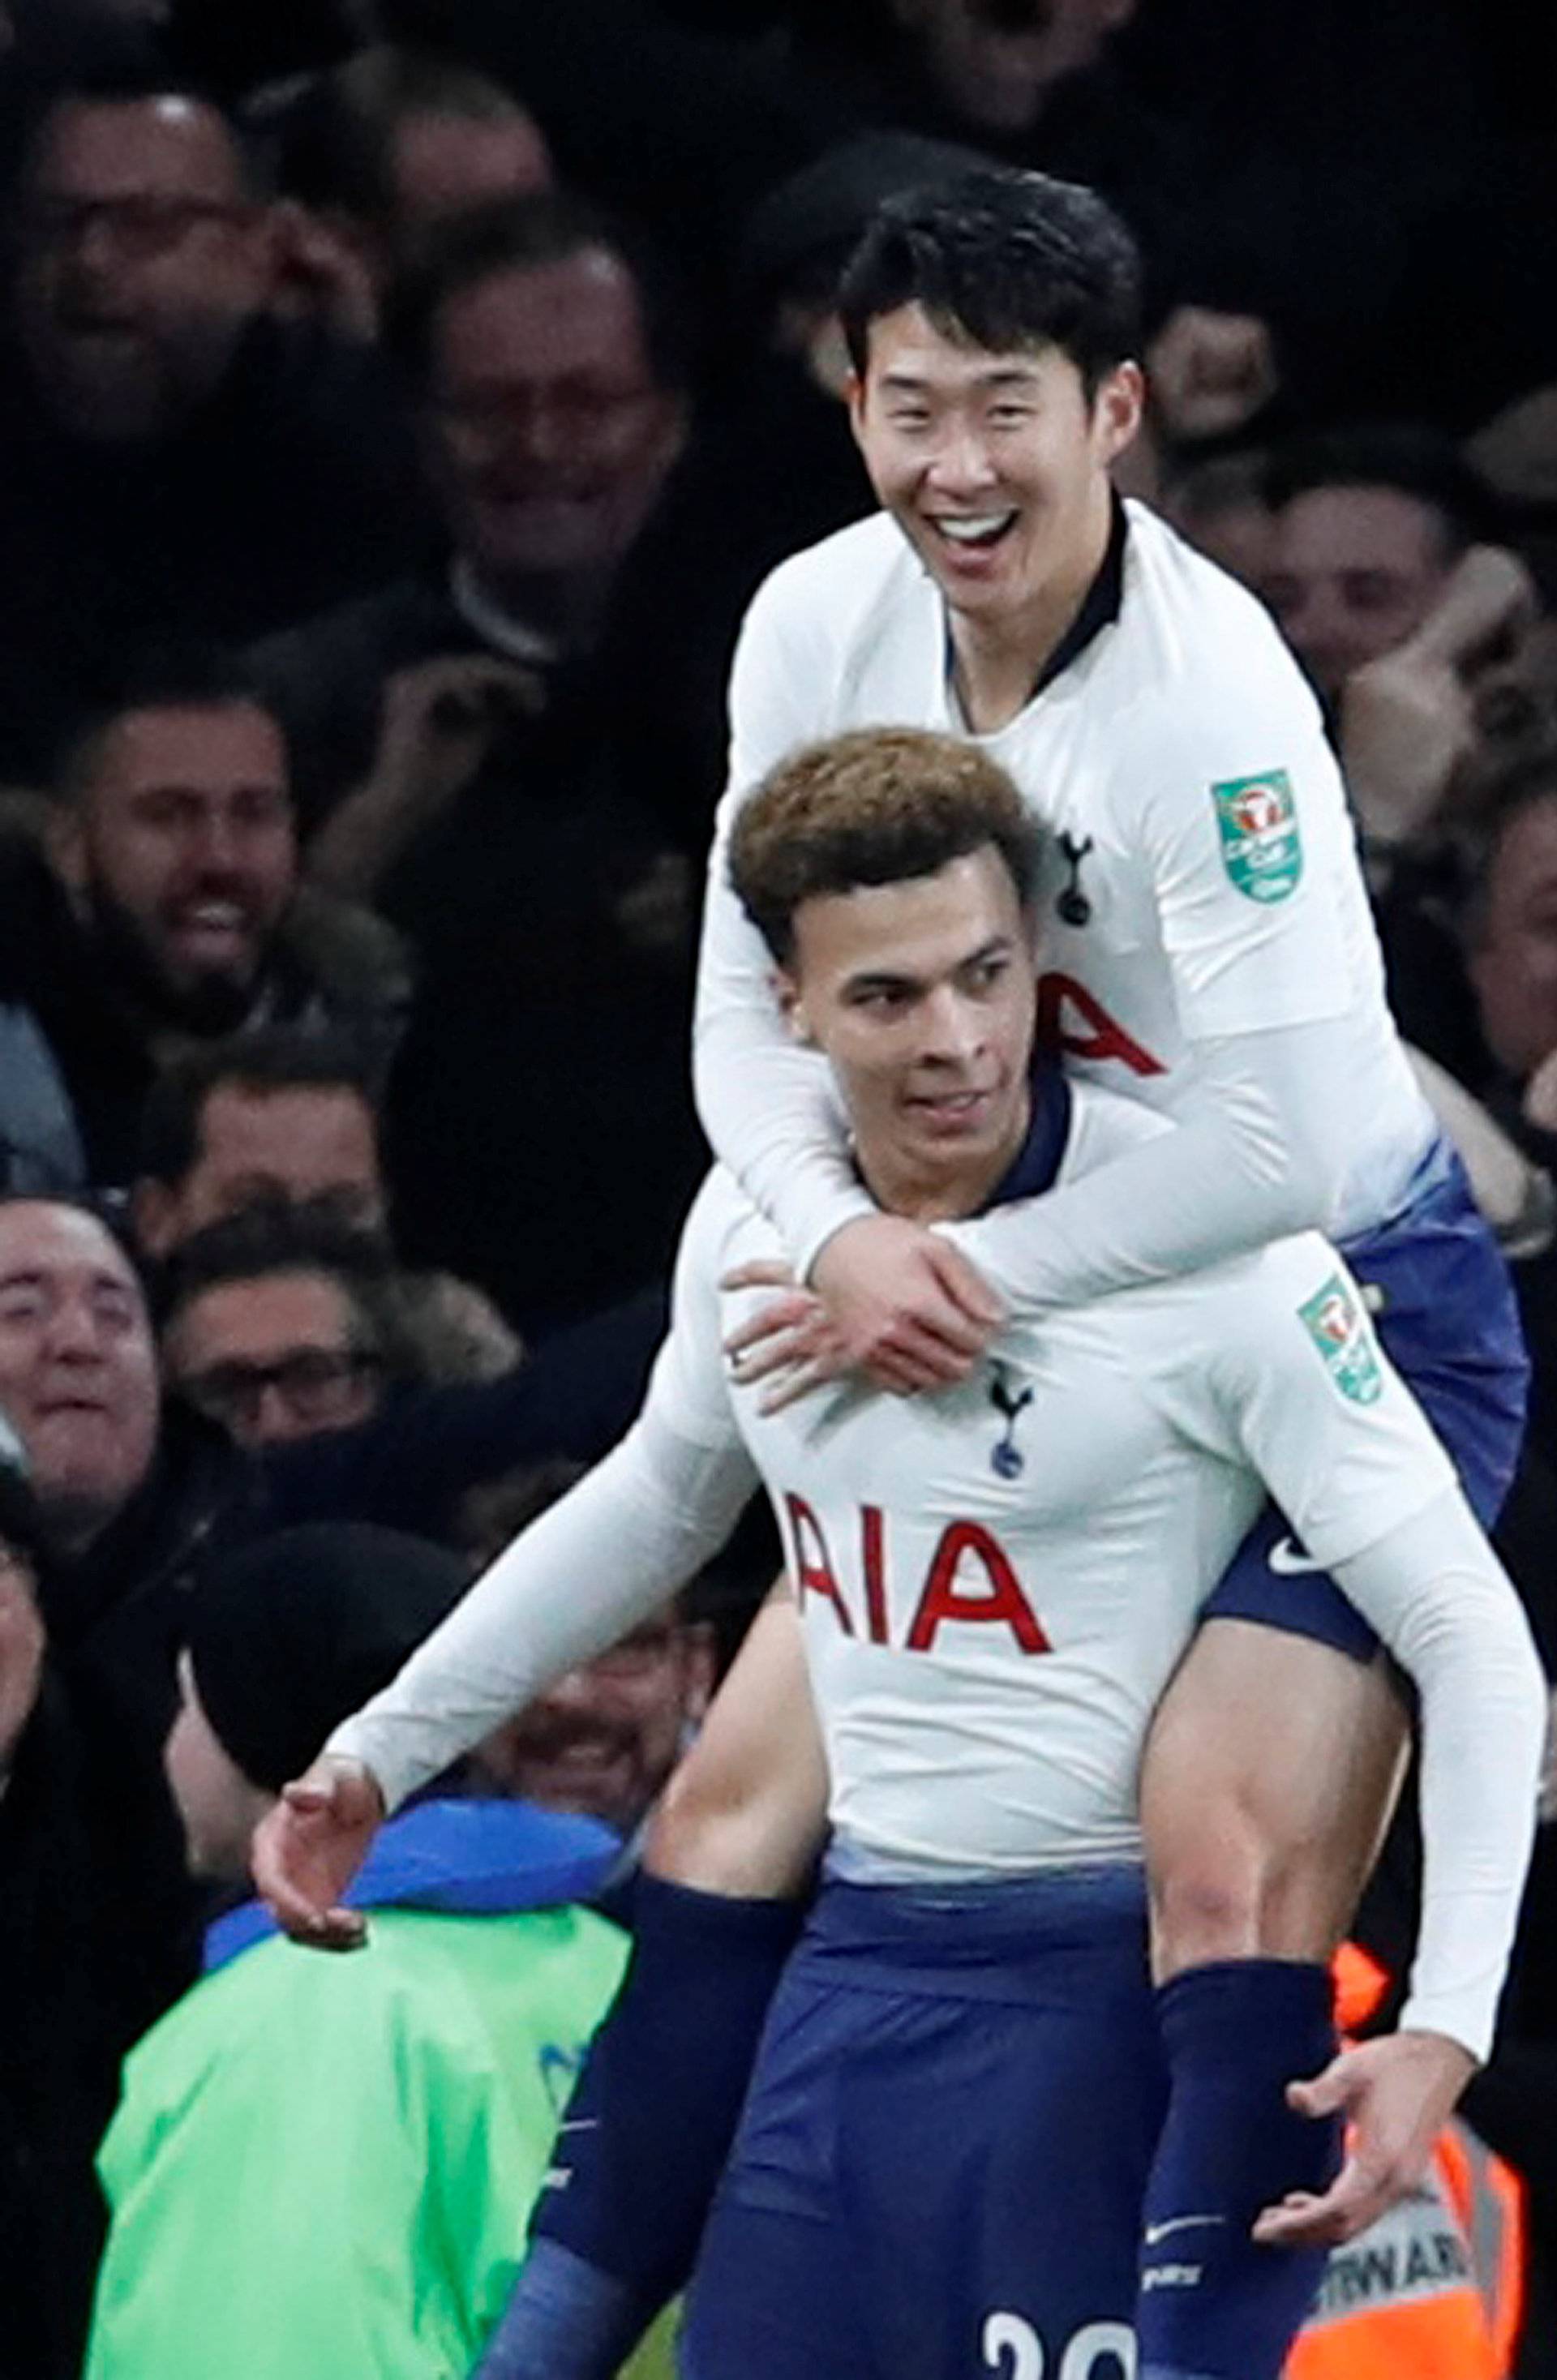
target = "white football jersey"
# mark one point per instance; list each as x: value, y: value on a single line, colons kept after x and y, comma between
x: 996, y: 1581
x: 1202, y: 877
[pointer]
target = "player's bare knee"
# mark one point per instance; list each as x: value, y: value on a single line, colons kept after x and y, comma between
x: 1205, y: 1905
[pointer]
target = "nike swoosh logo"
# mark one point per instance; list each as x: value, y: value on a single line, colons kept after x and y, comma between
x: 1287, y: 1562
x: 1155, y: 2232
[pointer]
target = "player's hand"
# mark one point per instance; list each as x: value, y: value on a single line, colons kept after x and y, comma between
x: 923, y: 1319
x: 790, y: 1341
x: 309, y: 1848
x: 1396, y: 2093
x: 909, y: 1309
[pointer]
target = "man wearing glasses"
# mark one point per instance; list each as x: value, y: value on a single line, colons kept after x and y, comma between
x: 179, y: 459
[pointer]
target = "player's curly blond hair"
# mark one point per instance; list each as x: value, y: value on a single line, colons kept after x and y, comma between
x: 875, y: 807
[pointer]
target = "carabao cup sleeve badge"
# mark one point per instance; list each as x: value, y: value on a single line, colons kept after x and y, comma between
x: 1335, y: 1322
x: 1261, y: 848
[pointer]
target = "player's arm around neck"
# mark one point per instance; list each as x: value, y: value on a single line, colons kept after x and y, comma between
x: 1257, y: 1152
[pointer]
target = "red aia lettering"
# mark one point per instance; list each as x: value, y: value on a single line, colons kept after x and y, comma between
x: 1066, y: 1007
x: 813, y: 1563
x: 875, y: 1573
x: 941, y: 1598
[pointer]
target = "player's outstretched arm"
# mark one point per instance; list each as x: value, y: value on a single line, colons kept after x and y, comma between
x: 310, y: 1846
x: 603, y: 1557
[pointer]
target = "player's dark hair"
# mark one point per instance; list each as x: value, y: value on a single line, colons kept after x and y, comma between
x: 516, y: 235
x: 878, y: 807
x: 278, y: 1058
x: 1002, y: 261
x: 1408, y: 457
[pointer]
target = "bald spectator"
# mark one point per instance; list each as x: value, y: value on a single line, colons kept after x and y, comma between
x: 153, y: 406
x: 164, y: 912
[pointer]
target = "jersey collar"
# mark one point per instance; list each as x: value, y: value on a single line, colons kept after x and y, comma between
x: 1036, y: 1162
x: 1100, y: 605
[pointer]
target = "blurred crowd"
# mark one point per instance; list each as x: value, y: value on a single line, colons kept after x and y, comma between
x: 399, y: 402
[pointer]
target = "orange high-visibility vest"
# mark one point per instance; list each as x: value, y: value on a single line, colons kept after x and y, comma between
x: 1433, y: 2290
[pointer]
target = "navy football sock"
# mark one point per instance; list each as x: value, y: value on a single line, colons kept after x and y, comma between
x: 566, y: 2320
x: 646, y: 2132
x: 1213, y: 2303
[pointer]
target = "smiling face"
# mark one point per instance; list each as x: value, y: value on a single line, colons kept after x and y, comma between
x: 995, y: 467
x: 604, y: 1738
x: 181, y: 841
x: 77, y: 1368
x: 141, y: 262
x: 921, y: 996
x: 552, y: 436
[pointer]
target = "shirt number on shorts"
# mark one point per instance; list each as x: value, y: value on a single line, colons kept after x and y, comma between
x: 1103, y: 2351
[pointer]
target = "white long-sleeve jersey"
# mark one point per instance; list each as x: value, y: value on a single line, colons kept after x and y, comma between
x: 1219, y: 962
x: 996, y: 1581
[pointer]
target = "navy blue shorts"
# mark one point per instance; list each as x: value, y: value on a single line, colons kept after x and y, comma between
x: 1444, y: 1308
x: 946, y: 2143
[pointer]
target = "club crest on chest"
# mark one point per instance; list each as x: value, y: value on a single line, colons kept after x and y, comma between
x: 1008, y: 1460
